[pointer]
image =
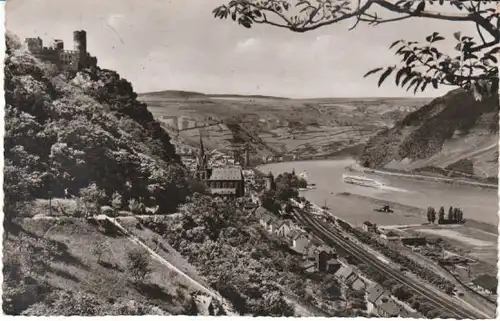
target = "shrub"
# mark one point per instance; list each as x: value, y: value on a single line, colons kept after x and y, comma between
x: 116, y: 201
x: 136, y: 207
x: 138, y: 265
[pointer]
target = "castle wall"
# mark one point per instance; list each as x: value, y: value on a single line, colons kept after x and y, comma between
x: 66, y: 59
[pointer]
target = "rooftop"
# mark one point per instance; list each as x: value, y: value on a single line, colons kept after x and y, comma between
x: 374, y: 292
x: 390, y: 308
x: 344, y: 272
x: 229, y: 173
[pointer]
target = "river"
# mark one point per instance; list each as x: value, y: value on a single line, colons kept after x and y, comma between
x: 477, y: 203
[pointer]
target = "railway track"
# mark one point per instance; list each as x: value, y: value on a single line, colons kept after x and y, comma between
x: 439, y: 301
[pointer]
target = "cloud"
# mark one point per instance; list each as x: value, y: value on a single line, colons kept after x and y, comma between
x: 250, y: 44
x: 115, y: 19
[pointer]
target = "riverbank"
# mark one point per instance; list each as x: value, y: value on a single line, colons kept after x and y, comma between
x: 435, y: 179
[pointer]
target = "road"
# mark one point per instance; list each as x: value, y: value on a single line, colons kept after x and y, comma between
x: 439, y: 300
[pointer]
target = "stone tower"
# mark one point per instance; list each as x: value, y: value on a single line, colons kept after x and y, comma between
x: 269, y: 182
x: 80, y: 43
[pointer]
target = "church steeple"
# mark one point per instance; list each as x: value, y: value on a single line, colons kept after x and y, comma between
x: 202, y: 158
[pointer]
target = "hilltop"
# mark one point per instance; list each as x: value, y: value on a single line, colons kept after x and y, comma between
x: 172, y: 94
x: 453, y: 133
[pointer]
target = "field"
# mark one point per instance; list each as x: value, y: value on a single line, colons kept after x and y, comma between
x: 276, y: 125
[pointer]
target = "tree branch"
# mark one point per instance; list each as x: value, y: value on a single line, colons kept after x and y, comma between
x: 473, y: 16
x: 358, y: 12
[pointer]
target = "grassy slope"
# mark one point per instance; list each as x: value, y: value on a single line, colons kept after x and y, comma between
x: 77, y: 269
x: 448, y: 129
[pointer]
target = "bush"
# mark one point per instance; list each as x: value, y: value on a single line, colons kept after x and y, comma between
x: 116, y: 201
x: 90, y: 200
x: 138, y: 265
x: 136, y: 207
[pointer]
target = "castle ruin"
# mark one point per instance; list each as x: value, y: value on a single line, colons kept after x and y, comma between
x: 67, y: 60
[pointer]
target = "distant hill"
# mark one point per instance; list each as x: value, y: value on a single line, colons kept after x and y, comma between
x: 193, y: 94
x: 450, y: 130
x: 247, y: 96
x: 174, y: 94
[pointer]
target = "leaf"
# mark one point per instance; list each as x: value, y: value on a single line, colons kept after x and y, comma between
x: 394, y: 43
x: 457, y: 35
x: 413, y: 82
x: 419, y: 82
x: 425, y: 85
x: 401, y: 72
x: 438, y: 38
x: 372, y: 72
x: 384, y: 75
x: 432, y: 37
x: 434, y: 83
x: 407, y: 78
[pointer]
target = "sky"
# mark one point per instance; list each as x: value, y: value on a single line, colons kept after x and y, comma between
x: 178, y: 45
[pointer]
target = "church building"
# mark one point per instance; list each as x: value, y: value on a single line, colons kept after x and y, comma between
x: 226, y: 181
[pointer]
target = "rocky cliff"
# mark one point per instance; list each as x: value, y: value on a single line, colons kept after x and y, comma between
x: 451, y: 130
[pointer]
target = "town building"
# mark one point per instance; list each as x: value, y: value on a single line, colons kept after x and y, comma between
x: 227, y: 181
x: 380, y: 303
x: 347, y: 276
x: 66, y: 60
x: 284, y: 228
x: 266, y: 218
x: 299, y: 240
x: 326, y: 260
x: 270, y: 184
x: 369, y: 227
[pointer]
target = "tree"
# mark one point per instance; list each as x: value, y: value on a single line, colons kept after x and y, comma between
x: 441, y: 214
x: 450, y: 214
x: 91, y: 198
x: 473, y: 67
x: 431, y: 214
x: 138, y: 265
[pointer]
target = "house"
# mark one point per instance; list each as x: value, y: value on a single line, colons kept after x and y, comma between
x: 387, y: 308
x: 325, y: 258
x: 487, y: 282
x: 358, y: 284
x: 266, y: 218
x: 373, y: 293
x: 284, y: 227
x: 369, y: 227
x: 344, y: 274
x: 380, y: 303
x: 332, y: 266
x: 299, y: 240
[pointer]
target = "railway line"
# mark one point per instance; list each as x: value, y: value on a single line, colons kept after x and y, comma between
x: 438, y: 300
